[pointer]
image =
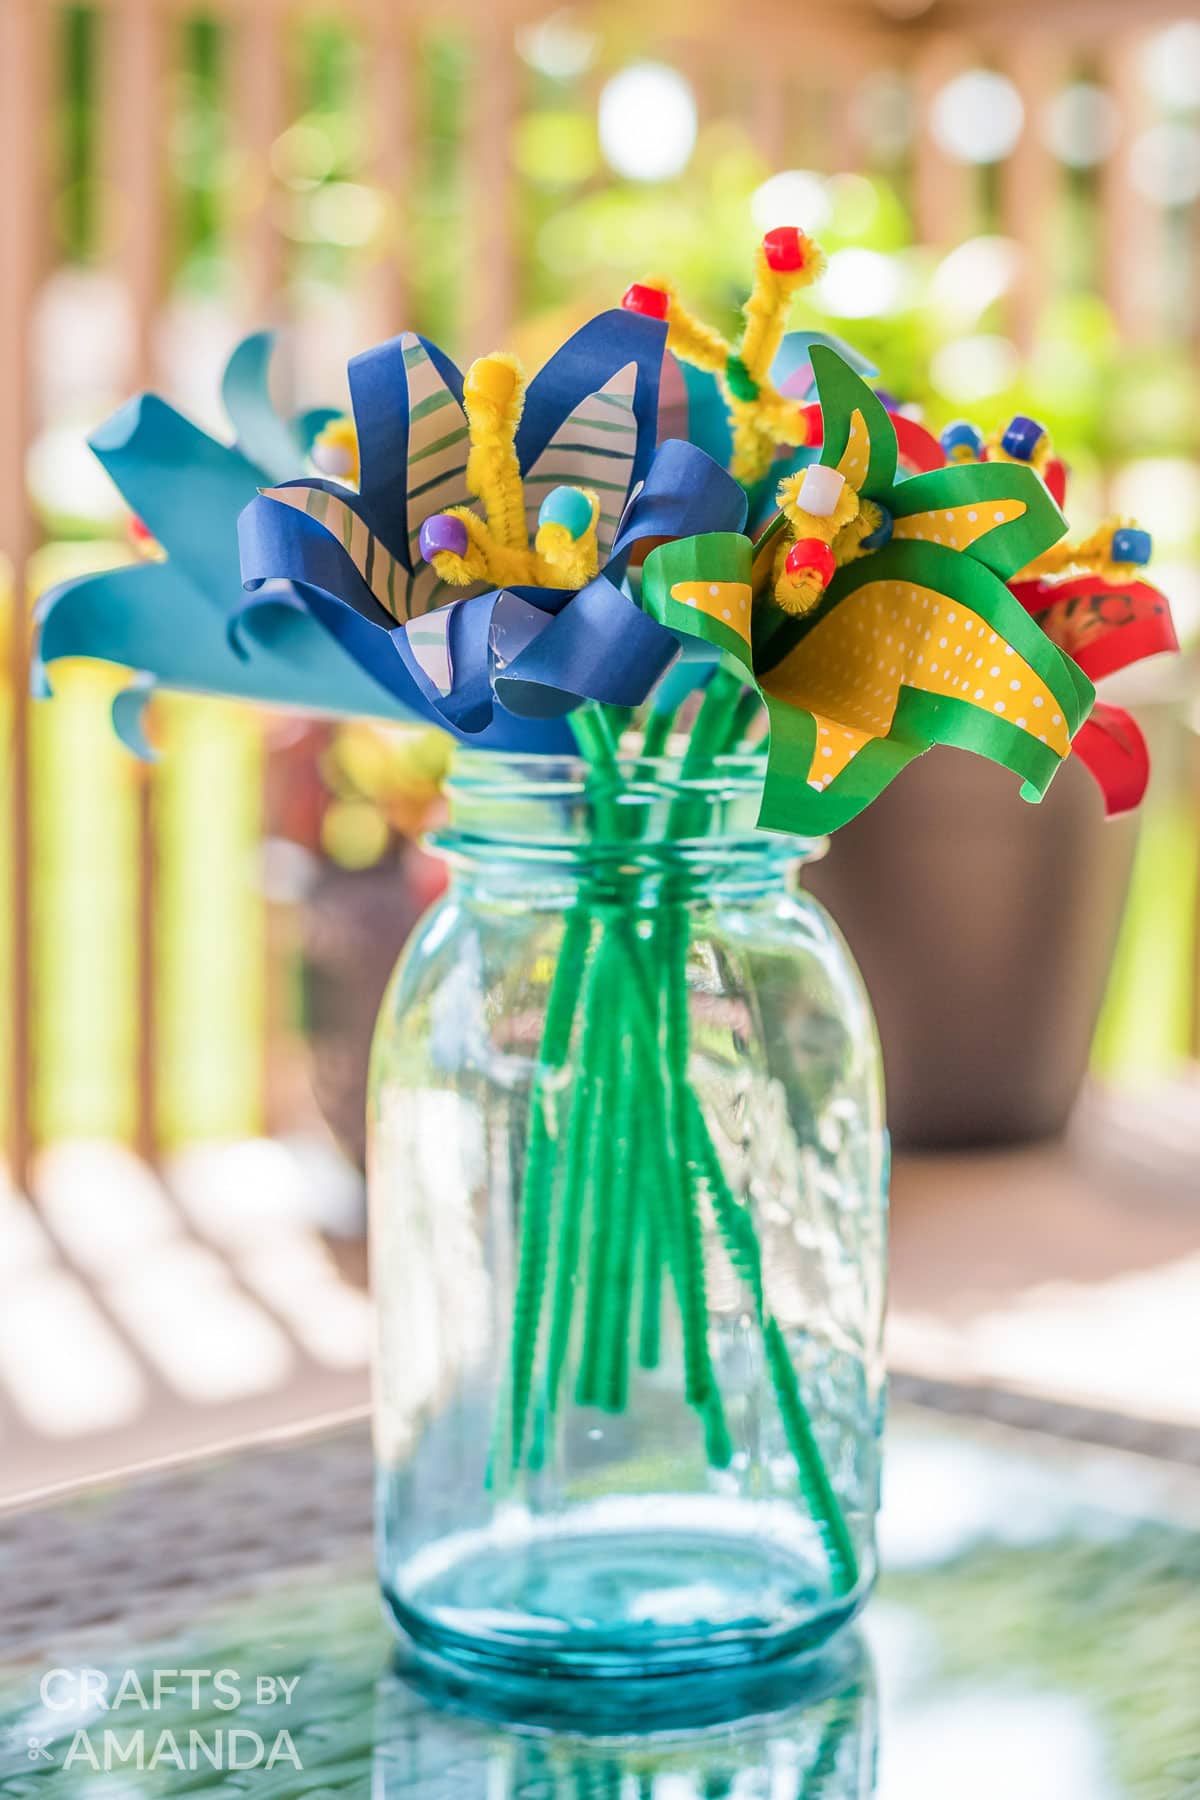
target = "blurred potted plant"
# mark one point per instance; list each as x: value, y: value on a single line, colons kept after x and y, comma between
x: 989, y: 950
x: 357, y: 797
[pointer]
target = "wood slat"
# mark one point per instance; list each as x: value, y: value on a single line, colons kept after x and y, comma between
x: 944, y: 190
x: 25, y: 109
x: 134, y: 73
x: 1038, y: 64
x: 490, y: 273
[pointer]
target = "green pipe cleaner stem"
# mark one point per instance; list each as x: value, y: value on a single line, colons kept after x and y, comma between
x: 585, y: 1122
x: 616, y: 1326
x: 741, y: 1241
x: 745, y: 1253
x: 600, y: 1182
x: 540, y: 1158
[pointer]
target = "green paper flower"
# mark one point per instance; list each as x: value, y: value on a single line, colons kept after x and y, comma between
x: 916, y: 643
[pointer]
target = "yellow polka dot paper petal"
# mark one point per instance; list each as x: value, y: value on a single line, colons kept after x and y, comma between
x: 958, y: 526
x: 855, y: 458
x: 701, y: 587
x: 729, y: 601
x: 998, y: 514
x: 914, y: 646
x: 859, y: 438
x: 849, y: 670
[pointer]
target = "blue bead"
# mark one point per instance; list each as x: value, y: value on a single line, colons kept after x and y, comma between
x: 1022, y: 437
x: 567, y: 506
x: 882, y: 533
x: 1129, y: 545
x: 961, y: 435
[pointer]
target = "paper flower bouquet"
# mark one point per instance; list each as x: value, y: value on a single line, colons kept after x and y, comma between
x: 704, y: 570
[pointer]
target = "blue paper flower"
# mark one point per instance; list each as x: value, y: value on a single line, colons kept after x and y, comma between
x: 353, y: 560
x: 169, y: 620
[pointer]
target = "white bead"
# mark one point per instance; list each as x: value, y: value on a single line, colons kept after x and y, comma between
x: 821, y: 490
x: 332, y: 459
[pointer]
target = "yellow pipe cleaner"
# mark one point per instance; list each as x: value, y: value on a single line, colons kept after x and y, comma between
x: 842, y: 532
x: 760, y: 417
x: 498, y: 548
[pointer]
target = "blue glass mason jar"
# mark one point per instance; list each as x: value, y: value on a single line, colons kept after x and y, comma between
x: 628, y: 1179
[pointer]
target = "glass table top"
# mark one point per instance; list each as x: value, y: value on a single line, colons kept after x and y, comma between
x: 1035, y: 1636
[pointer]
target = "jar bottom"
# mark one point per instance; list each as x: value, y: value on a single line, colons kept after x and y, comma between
x: 621, y: 1587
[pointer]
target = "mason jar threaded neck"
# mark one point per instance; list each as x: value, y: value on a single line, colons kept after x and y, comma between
x: 648, y: 813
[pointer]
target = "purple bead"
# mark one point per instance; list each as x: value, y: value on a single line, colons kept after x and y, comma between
x: 442, y: 531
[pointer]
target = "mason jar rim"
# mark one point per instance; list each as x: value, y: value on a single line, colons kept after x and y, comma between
x: 553, y: 807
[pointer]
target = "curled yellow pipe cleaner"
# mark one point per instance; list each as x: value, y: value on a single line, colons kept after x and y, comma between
x: 498, y: 548
x: 760, y: 417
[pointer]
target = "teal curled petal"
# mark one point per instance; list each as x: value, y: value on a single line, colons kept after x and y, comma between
x: 793, y: 361
x: 708, y: 421
x: 187, y: 489
x: 262, y: 436
x: 128, y: 717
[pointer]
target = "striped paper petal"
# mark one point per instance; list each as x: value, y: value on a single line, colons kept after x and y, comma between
x: 387, y: 579
x: 594, y: 448
x: 438, y: 446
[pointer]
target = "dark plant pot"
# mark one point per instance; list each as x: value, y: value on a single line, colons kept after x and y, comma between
x: 985, y: 930
x: 354, y: 924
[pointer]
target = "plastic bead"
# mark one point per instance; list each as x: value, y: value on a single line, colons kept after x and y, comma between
x: 882, y: 534
x: 820, y: 491
x: 568, y: 507
x: 1131, y: 545
x: 1055, y: 477
x: 1021, y: 438
x: 961, y: 441
x: 786, y: 249
x: 652, y: 302
x: 811, y: 553
x: 442, y: 532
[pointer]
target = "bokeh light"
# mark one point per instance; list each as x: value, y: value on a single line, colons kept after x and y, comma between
x: 971, y: 369
x: 647, y: 121
x: 863, y: 284
x: 1164, y: 163
x: 973, y: 277
x: 559, y: 46
x: 1081, y: 125
x: 792, y: 197
x: 1170, y: 66
x: 977, y: 117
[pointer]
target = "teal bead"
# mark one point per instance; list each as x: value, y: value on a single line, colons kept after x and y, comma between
x: 567, y: 506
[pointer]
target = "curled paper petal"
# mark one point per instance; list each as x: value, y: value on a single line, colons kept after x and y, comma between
x: 1111, y: 747
x: 601, y: 646
x: 1102, y: 625
x: 595, y: 447
x: 684, y: 492
x: 582, y: 367
x: 128, y: 717
x: 271, y: 443
x: 912, y: 646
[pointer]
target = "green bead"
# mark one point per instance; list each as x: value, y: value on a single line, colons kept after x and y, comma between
x: 742, y: 384
x: 568, y: 506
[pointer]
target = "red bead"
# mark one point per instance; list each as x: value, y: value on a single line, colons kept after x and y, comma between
x: 1055, y: 477
x: 811, y: 553
x: 785, y: 249
x: 652, y: 302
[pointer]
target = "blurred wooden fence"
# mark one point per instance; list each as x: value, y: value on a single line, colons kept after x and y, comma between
x: 797, y: 74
